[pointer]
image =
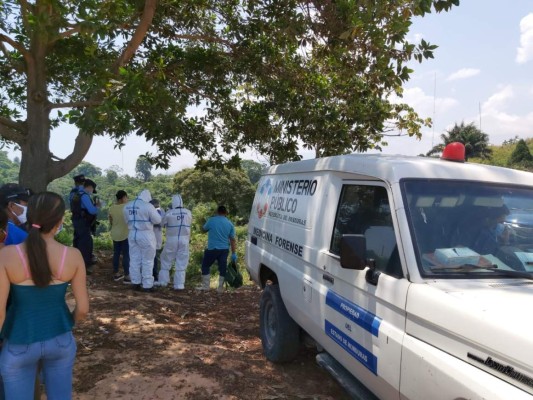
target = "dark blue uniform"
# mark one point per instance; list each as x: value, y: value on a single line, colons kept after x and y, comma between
x: 83, y: 216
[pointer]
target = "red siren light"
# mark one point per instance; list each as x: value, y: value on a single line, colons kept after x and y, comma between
x: 454, y: 151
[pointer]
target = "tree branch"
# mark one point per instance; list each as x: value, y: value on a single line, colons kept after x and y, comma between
x: 83, y: 141
x: 74, y: 29
x: 4, y: 50
x: 138, y: 36
x: 11, y: 130
x: 24, y: 8
x: 62, y: 167
x: 13, y: 43
x: 73, y: 104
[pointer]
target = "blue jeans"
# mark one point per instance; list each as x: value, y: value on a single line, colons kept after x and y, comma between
x: 18, y: 365
x: 210, y: 256
x: 118, y: 248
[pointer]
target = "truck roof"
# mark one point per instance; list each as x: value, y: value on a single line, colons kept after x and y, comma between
x: 392, y: 168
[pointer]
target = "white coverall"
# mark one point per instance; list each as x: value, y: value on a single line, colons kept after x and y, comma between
x: 141, y: 217
x: 178, y: 222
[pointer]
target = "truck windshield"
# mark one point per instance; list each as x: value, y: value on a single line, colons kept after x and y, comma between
x: 470, y: 229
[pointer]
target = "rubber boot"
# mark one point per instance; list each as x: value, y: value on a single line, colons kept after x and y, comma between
x: 220, y: 288
x: 205, y: 283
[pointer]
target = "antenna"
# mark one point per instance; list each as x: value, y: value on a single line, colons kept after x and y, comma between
x: 434, y: 97
x: 479, y: 115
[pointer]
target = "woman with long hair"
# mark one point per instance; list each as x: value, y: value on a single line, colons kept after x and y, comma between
x: 37, y: 326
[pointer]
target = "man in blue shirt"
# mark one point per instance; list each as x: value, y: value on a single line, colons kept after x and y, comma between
x: 83, y: 217
x: 220, y: 237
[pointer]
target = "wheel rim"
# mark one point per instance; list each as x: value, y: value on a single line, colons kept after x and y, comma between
x: 270, y: 324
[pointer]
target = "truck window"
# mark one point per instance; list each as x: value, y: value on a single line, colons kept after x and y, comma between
x: 365, y: 210
x: 478, y: 227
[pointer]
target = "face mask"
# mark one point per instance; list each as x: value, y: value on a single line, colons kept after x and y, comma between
x: 59, y: 229
x: 22, y: 217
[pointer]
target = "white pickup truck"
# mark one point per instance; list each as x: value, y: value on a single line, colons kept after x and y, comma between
x: 413, y: 275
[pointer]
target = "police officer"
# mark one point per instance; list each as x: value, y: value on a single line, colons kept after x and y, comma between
x: 83, y: 219
x: 14, y: 200
x: 78, y: 185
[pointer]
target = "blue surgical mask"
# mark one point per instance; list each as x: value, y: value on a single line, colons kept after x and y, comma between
x: 59, y: 229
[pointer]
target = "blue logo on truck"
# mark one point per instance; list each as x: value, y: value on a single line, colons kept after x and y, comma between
x: 353, y: 348
x: 364, y: 318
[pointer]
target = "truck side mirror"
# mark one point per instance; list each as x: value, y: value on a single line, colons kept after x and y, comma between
x: 353, y: 252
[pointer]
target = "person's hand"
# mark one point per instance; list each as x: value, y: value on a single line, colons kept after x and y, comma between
x: 234, y: 257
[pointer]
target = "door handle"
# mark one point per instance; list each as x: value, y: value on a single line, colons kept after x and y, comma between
x: 328, y: 278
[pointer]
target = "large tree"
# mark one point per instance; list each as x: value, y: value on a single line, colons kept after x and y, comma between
x: 143, y: 169
x: 521, y: 157
x: 476, y: 141
x: 267, y: 74
x: 226, y: 186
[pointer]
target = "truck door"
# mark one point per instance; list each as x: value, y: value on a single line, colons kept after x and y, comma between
x: 363, y: 321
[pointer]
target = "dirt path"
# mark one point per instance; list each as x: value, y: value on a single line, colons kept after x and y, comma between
x: 183, y: 345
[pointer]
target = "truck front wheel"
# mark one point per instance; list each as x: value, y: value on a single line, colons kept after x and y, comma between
x: 280, y: 335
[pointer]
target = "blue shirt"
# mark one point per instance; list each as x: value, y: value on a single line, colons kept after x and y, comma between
x: 15, y: 235
x: 219, y: 231
x: 87, y: 204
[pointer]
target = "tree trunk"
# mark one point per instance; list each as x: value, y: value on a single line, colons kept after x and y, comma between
x: 35, y: 152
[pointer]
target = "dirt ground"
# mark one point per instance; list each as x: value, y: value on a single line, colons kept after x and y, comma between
x: 183, y: 345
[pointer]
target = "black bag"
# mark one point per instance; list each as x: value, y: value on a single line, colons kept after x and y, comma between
x: 233, y: 276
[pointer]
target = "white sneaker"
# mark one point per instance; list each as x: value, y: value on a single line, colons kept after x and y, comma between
x: 160, y: 284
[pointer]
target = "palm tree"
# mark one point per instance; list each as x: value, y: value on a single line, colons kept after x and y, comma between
x: 476, y: 142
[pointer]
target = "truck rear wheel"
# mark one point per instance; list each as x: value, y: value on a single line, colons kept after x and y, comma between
x: 280, y: 335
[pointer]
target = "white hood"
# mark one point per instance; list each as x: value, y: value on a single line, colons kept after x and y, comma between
x: 145, y: 195
x: 177, y: 201
x: 478, y: 321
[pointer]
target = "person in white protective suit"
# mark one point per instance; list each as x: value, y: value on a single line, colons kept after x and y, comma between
x: 178, y: 223
x: 141, y: 217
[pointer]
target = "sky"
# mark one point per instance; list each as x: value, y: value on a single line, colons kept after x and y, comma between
x: 482, y: 73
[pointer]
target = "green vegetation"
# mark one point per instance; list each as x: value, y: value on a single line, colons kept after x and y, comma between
x: 476, y: 142
x: 266, y: 75
x: 511, y: 154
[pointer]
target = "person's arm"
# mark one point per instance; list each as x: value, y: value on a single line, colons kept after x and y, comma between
x: 207, y: 225
x: 110, y: 220
x: 79, y: 289
x: 233, y: 243
x: 155, y: 217
x: 4, y: 290
x: 88, y: 204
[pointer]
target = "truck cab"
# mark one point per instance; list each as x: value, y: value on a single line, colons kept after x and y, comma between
x: 414, y: 274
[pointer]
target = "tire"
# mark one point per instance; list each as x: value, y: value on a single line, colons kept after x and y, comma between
x: 280, y: 335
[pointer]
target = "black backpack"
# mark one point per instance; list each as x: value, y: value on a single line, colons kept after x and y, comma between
x: 233, y: 276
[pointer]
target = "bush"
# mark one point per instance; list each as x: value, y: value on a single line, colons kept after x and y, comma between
x: 103, y: 241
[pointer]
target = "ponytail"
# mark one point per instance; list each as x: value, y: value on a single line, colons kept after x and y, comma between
x: 38, y: 258
x: 45, y: 210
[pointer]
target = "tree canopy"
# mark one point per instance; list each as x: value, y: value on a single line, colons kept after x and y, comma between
x: 220, y: 186
x: 476, y: 142
x: 213, y: 77
x: 521, y: 156
x: 143, y: 168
